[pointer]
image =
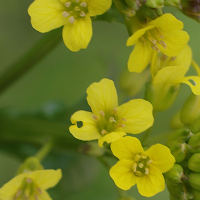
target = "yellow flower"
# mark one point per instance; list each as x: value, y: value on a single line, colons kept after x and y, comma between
x: 108, y: 121
x: 74, y: 15
x: 136, y: 166
x: 162, y: 34
x: 30, y: 186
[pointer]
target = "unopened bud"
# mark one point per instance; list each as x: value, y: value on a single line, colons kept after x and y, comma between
x: 175, y: 3
x: 155, y: 3
x: 135, y: 4
x: 196, y: 194
x: 194, y: 162
x: 194, y: 143
x: 175, y: 190
x: 194, y: 180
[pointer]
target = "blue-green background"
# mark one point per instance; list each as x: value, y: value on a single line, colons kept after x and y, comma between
x: 64, y: 76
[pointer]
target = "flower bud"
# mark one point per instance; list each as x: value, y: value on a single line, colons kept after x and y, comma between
x: 190, y: 110
x: 196, y: 194
x: 175, y: 175
x: 132, y: 83
x: 155, y: 3
x: 135, y: 4
x: 176, y: 3
x: 176, y: 190
x: 194, y: 180
x: 194, y: 143
x: 194, y: 162
x: 176, y: 122
x: 195, y: 128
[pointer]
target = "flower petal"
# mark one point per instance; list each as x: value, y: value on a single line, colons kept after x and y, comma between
x: 102, y: 96
x: 98, y: 7
x: 175, y: 41
x: 10, y: 188
x: 77, y: 35
x: 140, y: 57
x: 138, y: 115
x: 123, y: 175
x: 44, y: 196
x: 47, y: 15
x: 161, y: 157
x: 126, y: 148
x: 149, y: 185
x: 46, y: 178
x: 167, y: 22
x: 193, y: 82
x: 89, y: 129
x: 111, y: 137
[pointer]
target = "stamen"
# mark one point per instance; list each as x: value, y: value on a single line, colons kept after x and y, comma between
x: 72, y: 19
x: 102, y: 114
x: 29, y: 180
x: 95, y: 117
x: 155, y: 47
x: 39, y: 190
x: 104, y: 132
x: 19, y: 192
x: 121, y: 125
x: 77, y: 1
x: 114, y: 111
x: 152, y: 40
x: 144, y: 156
x: 36, y: 197
x: 159, y: 34
x: 143, y: 40
x: 163, y: 44
x: 173, y: 58
x: 68, y: 4
x: 141, y: 165
x: 150, y: 161
x: 82, y: 14
x: 76, y: 8
x: 146, y: 171
x: 65, y: 14
x: 134, y: 167
x: 137, y: 157
x: 124, y: 119
x: 111, y: 119
x: 138, y: 173
x: 83, y: 4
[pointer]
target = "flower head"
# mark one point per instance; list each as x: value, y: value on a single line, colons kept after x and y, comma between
x: 162, y: 34
x: 31, y: 185
x: 136, y: 166
x: 108, y: 121
x: 74, y: 15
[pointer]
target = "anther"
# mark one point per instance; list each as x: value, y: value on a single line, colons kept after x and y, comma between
x: 102, y: 113
x: 163, y: 44
x: 173, y: 58
x: 95, y: 117
x: 29, y: 180
x: 111, y: 119
x: 68, y: 4
x: 19, y: 192
x: 124, y: 119
x: 65, y: 14
x: 143, y: 40
x: 146, y: 171
x: 144, y: 156
x: 134, y: 167
x: 152, y: 40
x: 104, y: 132
x: 76, y: 8
x: 138, y: 173
x: 114, y: 111
x: 121, y: 125
x: 82, y: 14
x: 141, y: 165
x: 39, y: 190
x: 36, y: 197
x: 83, y: 4
x: 72, y: 19
x: 77, y: 1
x: 137, y: 157
x: 150, y: 161
x: 155, y: 47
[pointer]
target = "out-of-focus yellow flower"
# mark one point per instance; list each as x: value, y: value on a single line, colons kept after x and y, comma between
x: 136, y: 166
x: 162, y: 34
x: 108, y: 121
x: 74, y: 15
x: 30, y: 186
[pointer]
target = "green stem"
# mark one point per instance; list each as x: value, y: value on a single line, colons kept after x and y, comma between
x: 13, y: 72
x: 43, y: 152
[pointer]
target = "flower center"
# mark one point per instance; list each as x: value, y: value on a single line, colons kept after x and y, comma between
x: 108, y: 123
x: 27, y: 189
x: 75, y: 9
x: 141, y: 164
x: 155, y: 37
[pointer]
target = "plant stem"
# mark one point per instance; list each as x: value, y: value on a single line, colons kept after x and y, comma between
x: 13, y: 72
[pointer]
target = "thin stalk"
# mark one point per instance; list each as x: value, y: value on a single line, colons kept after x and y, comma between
x: 13, y: 72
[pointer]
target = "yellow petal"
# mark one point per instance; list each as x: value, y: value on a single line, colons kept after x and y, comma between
x: 77, y: 35
x: 98, y: 7
x: 134, y: 38
x: 155, y: 64
x: 140, y: 57
x: 102, y: 96
x: 46, y: 178
x: 126, y: 148
x: 46, y: 15
x: 175, y: 41
x: 44, y: 196
x: 89, y: 129
x: 161, y: 157
x: 138, y: 115
x: 111, y: 137
x: 193, y: 82
x: 123, y: 175
x: 149, y: 185
x: 167, y: 22
x: 10, y: 188
x: 197, y: 68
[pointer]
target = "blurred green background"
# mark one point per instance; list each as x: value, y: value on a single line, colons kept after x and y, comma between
x: 64, y: 76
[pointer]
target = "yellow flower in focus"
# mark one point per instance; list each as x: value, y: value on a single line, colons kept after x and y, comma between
x: 30, y: 186
x: 162, y: 34
x: 136, y: 166
x: 74, y: 15
x: 108, y: 122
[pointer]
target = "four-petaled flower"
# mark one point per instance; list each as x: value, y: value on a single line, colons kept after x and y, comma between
x: 30, y: 185
x: 74, y: 15
x: 140, y: 167
x: 108, y: 121
x: 162, y: 34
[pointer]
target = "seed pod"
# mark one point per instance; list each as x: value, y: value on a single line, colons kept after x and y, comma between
x: 194, y: 162
x: 194, y: 143
x: 194, y: 180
